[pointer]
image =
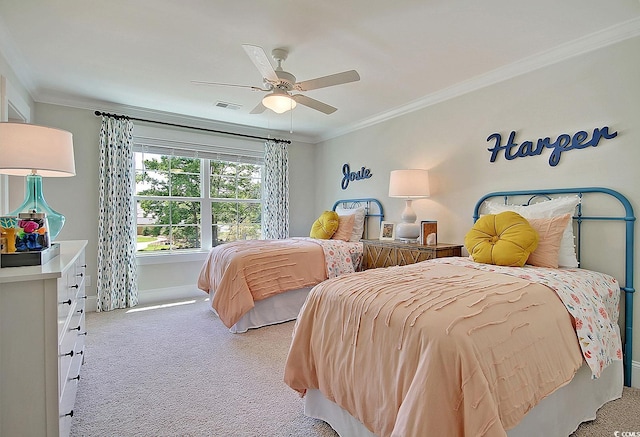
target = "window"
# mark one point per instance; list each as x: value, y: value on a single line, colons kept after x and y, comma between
x: 190, y: 199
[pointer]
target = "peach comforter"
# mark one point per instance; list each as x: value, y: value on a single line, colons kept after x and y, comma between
x: 433, y: 347
x: 239, y: 273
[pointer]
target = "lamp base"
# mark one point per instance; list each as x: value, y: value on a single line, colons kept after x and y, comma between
x: 34, y: 201
x: 408, y: 232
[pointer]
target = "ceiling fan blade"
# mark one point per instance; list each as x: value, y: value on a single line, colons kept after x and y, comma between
x: 314, y: 104
x: 259, y: 109
x: 261, y: 61
x: 331, y: 80
x: 200, y: 82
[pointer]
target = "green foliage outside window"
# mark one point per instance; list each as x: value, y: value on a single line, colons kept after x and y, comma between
x: 175, y: 223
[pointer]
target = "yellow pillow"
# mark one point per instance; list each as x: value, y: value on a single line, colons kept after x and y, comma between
x: 505, y: 239
x: 325, y: 226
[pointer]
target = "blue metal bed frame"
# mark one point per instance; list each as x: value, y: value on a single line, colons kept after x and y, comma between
x: 369, y: 212
x: 629, y: 220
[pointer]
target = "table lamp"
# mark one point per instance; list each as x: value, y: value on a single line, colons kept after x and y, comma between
x: 409, y: 185
x: 36, y: 151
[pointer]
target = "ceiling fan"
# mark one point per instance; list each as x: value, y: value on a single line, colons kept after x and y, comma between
x: 279, y: 83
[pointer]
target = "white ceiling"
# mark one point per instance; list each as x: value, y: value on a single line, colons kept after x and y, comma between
x: 144, y: 53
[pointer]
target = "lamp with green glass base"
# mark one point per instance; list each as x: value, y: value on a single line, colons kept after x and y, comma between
x: 35, y: 152
x: 34, y: 201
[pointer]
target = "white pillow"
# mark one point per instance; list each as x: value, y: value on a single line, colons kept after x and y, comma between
x: 549, y: 208
x: 358, y: 224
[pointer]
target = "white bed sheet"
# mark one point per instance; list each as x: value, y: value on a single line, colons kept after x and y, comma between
x: 279, y: 308
x: 559, y: 414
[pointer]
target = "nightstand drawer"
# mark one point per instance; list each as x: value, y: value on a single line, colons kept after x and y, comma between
x: 397, y: 253
x: 412, y: 256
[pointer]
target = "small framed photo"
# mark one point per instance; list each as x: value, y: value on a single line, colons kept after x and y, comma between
x: 387, y: 231
x: 429, y: 232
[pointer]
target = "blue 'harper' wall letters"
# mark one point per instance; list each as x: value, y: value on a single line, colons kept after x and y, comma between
x: 563, y: 143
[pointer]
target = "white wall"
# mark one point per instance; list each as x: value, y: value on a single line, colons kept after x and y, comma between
x: 596, y: 89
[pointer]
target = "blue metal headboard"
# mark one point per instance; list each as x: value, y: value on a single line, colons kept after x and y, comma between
x: 629, y: 220
x: 367, y: 202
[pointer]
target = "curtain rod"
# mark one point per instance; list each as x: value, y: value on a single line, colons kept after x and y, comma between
x: 98, y: 113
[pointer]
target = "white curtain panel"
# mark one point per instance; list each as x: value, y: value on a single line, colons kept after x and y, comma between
x: 275, y: 204
x: 117, y: 268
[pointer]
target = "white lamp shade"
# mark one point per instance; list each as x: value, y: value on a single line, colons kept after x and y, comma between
x: 279, y: 102
x: 27, y: 148
x: 409, y: 184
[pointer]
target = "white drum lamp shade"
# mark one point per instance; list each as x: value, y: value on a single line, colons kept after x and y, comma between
x: 36, y: 151
x: 409, y: 185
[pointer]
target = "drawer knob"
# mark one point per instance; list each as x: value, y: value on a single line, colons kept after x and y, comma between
x: 83, y: 297
x: 74, y: 286
x: 76, y: 378
x: 68, y: 354
x: 81, y: 310
x: 70, y: 414
x: 66, y: 302
x: 83, y: 333
x: 84, y: 266
x: 77, y: 328
x: 80, y: 274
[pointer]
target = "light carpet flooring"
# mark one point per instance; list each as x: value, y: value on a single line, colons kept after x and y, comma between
x: 175, y: 370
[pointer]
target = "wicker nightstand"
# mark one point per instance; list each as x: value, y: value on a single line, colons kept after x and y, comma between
x: 397, y: 253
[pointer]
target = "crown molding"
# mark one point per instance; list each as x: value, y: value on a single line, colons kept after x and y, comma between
x: 589, y: 43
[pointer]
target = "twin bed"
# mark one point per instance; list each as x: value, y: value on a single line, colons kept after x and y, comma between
x: 255, y: 283
x: 458, y: 348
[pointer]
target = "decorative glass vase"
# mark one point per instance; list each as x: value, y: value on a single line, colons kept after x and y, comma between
x: 34, y: 201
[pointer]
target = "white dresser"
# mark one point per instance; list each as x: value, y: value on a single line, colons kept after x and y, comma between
x: 42, y: 332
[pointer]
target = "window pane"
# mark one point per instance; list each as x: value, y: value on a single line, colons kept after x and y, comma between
x: 185, y: 237
x: 152, y: 238
x: 249, y: 213
x: 223, y: 168
x: 249, y: 188
x: 168, y: 225
x: 152, y: 174
x: 151, y: 212
x: 185, y: 177
x: 235, y: 221
x: 184, y: 212
x: 152, y: 183
x: 223, y: 187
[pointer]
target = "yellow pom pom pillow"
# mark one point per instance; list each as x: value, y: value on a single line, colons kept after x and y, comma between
x: 326, y: 225
x: 505, y: 239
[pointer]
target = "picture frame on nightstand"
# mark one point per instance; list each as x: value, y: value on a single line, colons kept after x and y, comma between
x: 429, y: 232
x: 387, y: 231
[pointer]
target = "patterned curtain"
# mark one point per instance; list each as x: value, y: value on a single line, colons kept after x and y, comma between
x: 117, y: 268
x: 276, y: 190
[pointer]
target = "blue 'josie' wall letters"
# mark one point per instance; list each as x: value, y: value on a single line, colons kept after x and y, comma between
x: 348, y: 175
x: 564, y: 142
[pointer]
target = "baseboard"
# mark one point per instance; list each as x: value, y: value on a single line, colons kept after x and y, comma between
x: 635, y: 374
x: 152, y: 296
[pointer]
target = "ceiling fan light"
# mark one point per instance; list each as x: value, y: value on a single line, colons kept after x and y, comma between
x: 278, y: 103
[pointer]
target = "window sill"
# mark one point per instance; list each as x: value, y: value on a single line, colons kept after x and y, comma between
x: 171, y: 258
